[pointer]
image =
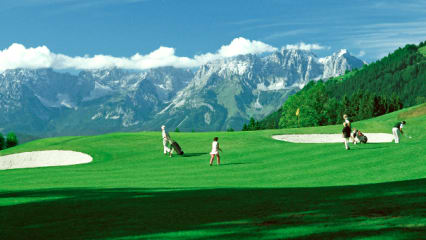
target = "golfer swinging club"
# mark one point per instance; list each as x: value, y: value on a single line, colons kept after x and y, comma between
x: 397, y: 131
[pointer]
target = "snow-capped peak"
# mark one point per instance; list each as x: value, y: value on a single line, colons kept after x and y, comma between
x: 338, y: 63
x: 342, y: 52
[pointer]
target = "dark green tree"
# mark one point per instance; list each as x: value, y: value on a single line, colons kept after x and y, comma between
x: 252, y: 124
x: 332, y: 111
x: 177, y: 130
x: 2, y: 142
x: 420, y: 99
x: 11, y: 140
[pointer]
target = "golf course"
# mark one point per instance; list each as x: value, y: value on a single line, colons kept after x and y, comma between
x: 263, y: 189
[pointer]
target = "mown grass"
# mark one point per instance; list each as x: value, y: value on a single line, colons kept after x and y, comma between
x: 264, y: 188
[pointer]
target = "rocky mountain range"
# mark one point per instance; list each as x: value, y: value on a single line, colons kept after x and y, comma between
x: 218, y: 95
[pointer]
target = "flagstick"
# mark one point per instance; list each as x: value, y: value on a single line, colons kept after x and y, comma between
x: 298, y: 117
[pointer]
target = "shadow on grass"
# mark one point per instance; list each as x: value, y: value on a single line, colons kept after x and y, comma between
x: 389, y: 209
x: 234, y: 163
x: 194, y: 154
x: 366, y: 147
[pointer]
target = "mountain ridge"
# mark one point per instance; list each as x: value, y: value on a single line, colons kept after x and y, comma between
x: 220, y: 94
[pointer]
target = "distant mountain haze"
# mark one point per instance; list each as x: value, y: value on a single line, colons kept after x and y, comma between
x: 219, y: 95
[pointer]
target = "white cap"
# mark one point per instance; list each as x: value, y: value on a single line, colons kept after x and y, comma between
x: 163, y: 127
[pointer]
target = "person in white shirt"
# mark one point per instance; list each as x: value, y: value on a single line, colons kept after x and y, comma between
x: 346, y: 131
x: 215, y: 151
x: 397, y: 131
x: 166, y: 140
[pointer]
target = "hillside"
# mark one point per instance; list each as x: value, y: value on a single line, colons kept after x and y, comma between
x: 264, y: 189
x: 384, y: 86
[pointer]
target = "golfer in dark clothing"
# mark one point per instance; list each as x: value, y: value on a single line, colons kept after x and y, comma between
x: 346, y: 131
x: 397, y: 131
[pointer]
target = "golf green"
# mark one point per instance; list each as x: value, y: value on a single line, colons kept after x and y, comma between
x: 264, y: 188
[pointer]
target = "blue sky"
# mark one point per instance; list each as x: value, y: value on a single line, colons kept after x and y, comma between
x: 122, y: 28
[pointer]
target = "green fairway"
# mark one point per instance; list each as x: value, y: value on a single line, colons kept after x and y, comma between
x: 264, y: 188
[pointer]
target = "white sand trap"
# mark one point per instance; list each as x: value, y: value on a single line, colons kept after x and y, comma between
x: 331, y: 138
x: 43, y: 159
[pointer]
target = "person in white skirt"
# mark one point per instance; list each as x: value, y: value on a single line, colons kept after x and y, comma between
x: 166, y: 140
x: 215, y: 151
x: 397, y: 131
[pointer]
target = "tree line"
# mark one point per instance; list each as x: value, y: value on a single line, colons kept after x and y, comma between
x: 317, y: 107
x: 387, y: 85
x: 10, y: 141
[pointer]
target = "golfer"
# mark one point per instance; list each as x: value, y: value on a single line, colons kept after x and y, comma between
x: 215, y: 151
x: 354, y: 136
x: 166, y: 140
x: 346, y: 131
x: 397, y: 131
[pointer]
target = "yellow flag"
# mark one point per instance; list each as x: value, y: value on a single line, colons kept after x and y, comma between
x: 297, y: 112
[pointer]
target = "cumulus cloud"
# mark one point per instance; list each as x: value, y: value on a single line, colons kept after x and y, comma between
x: 304, y: 46
x: 238, y: 46
x: 161, y: 57
x: 18, y: 56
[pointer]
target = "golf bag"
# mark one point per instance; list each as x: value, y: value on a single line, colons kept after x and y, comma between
x: 177, y: 148
x: 361, y: 137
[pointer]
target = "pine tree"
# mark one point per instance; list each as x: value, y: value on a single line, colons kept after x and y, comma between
x: 252, y: 124
x: 379, y: 107
x: 2, y: 142
x: 346, y: 106
x: 230, y: 129
x: 11, y: 140
x: 257, y: 126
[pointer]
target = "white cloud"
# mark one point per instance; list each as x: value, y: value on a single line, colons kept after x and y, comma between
x: 238, y: 46
x: 304, y: 46
x: 361, y: 53
x: 161, y: 57
x: 18, y: 56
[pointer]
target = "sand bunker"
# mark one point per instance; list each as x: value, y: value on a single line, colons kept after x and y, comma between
x: 43, y: 159
x: 331, y: 138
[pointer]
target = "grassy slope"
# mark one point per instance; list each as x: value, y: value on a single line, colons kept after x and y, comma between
x: 132, y: 191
